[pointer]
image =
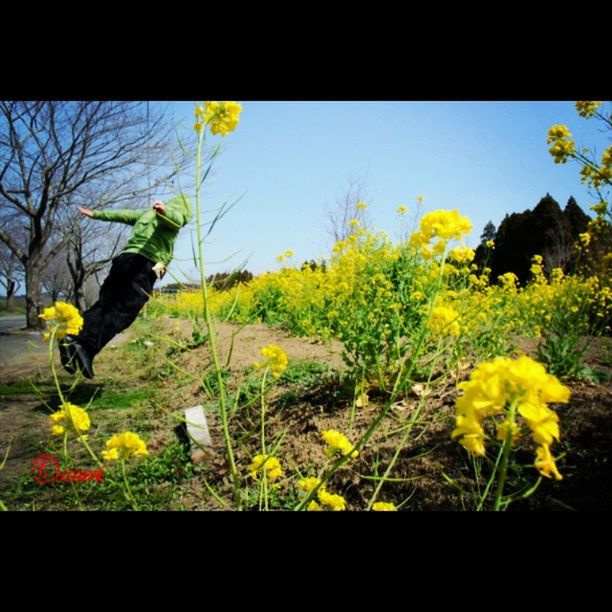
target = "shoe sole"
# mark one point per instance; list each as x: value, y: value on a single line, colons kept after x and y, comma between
x: 67, y: 357
x: 82, y: 360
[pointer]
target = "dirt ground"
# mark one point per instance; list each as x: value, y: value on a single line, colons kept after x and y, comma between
x: 432, y: 472
x: 429, y: 454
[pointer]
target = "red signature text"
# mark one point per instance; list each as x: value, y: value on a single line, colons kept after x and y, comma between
x: 46, y: 469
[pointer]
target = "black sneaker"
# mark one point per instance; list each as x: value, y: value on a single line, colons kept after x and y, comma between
x: 83, y: 360
x: 67, y: 354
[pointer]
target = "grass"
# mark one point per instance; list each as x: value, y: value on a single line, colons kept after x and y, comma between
x: 153, y: 481
x: 119, y: 400
x: 24, y: 387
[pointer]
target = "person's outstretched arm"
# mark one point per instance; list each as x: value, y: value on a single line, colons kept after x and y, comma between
x: 121, y: 216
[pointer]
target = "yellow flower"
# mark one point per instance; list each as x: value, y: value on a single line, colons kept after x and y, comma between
x: 444, y: 321
x: 585, y: 238
x: 507, y: 427
x: 402, y: 210
x: 472, y: 435
x: 587, y: 109
x: 222, y: 117
x: 198, y: 126
x: 271, y: 465
x: 420, y: 199
x: 558, y: 132
x: 313, y: 506
x: 275, y: 358
x: 495, y: 385
x: 361, y: 205
x: 70, y: 416
x: 461, y: 254
x: 338, y: 442
x: 384, y: 507
x: 600, y: 208
x: 444, y: 224
x: 543, y: 422
x: 545, y: 463
x: 289, y: 253
x: 562, y: 145
x: 308, y: 484
x: 124, y: 445
x: 335, y: 502
x: 354, y: 223
x: 490, y: 244
x: 508, y: 281
x: 65, y: 317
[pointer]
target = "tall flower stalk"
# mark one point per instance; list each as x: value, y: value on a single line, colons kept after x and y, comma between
x: 221, y: 118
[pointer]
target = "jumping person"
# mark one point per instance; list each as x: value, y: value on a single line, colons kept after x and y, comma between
x: 130, y: 282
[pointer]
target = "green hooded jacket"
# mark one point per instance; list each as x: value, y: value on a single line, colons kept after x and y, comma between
x: 154, y: 234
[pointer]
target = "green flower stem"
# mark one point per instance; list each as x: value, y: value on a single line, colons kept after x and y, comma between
x: 65, y: 445
x: 128, y: 491
x: 263, y: 410
x: 399, y: 381
x: 504, y: 460
x: 400, y: 446
x: 211, y: 335
x: 52, y: 364
x: 91, y: 453
x: 263, y: 440
x: 491, y: 480
x: 263, y: 490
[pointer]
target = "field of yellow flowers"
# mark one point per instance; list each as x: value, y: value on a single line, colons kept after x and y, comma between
x: 395, y: 377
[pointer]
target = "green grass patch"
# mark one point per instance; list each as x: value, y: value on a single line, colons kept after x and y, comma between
x: 119, y: 400
x: 20, y: 387
x: 304, y: 373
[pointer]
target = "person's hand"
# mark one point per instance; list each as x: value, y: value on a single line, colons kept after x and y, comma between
x: 85, y: 211
x: 159, y: 207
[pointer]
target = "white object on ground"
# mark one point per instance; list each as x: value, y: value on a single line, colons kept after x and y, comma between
x: 197, y: 430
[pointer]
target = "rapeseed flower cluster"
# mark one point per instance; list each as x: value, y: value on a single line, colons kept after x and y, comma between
x: 327, y: 501
x: 338, y: 443
x: 504, y: 388
x: 123, y: 446
x: 562, y: 144
x: 587, y: 109
x: 70, y: 417
x: 65, y: 317
x: 271, y: 466
x: 222, y: 117
x: 275, y: 358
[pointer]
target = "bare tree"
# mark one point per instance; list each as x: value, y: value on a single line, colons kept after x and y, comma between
x: 55, y: 276
x: 338, y: 216
x: 11, y: 273
x: 57, y: 154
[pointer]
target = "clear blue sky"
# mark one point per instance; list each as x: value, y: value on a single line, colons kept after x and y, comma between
x: 290, y: 158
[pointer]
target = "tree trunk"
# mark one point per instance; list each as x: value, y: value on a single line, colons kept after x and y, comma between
x: 33, y: 295
x: 79, y: 298
x: 10, y: 295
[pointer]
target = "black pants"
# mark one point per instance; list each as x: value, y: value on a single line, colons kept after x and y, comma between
x: 124, y: 292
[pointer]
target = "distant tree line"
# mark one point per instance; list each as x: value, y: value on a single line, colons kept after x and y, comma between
x: 546, y: 230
